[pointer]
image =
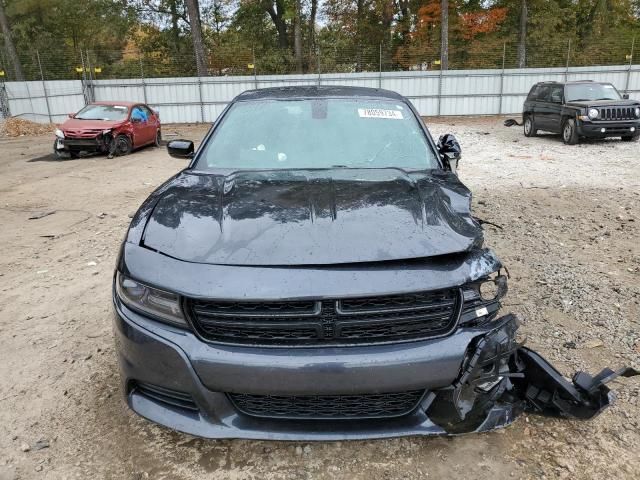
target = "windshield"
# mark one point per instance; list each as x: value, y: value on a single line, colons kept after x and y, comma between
x: 591, y: 91
x: 103, y: 112
x: 318, y: 133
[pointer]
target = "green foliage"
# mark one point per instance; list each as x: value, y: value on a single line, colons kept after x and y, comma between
x: 129, y: 38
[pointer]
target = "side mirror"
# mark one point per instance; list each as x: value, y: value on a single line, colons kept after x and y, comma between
x: 181, y: 148
x: 625, y: 96
x: 450, y: 151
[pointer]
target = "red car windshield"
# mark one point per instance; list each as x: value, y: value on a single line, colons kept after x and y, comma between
x: 103, y: 112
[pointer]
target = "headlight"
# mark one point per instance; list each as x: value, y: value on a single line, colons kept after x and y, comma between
x: 59, y: 133
x: 162, y: 305
x: 593, y: 113
x: 637, y: 112
x: 494, y: 288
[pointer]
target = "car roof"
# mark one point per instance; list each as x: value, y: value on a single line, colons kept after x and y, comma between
x: 324, y: 91
x: 123, y: 104
x: 572, y: 82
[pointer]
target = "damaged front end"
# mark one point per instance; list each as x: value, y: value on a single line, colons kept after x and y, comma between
x: 500, y: 379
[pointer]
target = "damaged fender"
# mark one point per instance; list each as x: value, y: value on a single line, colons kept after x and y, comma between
x: 500, y: 379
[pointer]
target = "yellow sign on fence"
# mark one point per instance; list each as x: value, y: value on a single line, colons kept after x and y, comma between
x: 250, y: 65
x: 1, y: 73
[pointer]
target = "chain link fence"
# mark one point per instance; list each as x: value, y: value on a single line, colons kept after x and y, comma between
x: 487, y: 75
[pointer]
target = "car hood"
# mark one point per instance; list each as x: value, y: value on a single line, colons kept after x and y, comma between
x: 605, y: 103
x: 74, y: 124
x: 311, y: 217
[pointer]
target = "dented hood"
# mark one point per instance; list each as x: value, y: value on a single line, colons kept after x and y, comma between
x: 311, y: 217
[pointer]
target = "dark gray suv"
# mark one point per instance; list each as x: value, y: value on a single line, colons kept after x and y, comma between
x: 316, y: 273
x: 582, y: 109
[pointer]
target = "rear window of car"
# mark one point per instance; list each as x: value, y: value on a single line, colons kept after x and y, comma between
x: 103, y: 112
x: 318, y: 133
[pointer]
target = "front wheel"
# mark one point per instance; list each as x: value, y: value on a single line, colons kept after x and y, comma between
x: 123, y: 145
x: 529, y: 127
x: 158, y: 138
x: 630, y: 138
x: 570, y: 132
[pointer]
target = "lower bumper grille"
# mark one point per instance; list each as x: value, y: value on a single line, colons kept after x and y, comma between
x: 318, y: 407
x: 165, y: 395
x: 366, y: 320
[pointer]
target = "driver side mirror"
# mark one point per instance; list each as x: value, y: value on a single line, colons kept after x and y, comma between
x: 450, y: 151
x: 181, y: 148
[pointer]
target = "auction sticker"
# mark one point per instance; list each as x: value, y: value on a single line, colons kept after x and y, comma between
x: 379, y: 113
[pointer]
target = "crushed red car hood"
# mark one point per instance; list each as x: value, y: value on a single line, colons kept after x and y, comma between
x: 74, y: 124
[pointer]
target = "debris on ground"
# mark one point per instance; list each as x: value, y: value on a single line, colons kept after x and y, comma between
x: 19, y: 127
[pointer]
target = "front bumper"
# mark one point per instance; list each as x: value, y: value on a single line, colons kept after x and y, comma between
x: 611, y: 129
x: 474, y: 380
x: 91, y: 144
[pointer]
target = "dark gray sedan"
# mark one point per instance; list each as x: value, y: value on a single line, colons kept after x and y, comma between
x: 316, y: 273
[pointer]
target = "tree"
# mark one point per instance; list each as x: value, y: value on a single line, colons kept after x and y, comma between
x: 193, y: 10
x: 444, y: 35
x: 276, y: 10
x: 10, y: 46
x: 297, y: 35
x: 522, y: 42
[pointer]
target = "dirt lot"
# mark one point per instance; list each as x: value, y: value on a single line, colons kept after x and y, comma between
x: 570, y: 237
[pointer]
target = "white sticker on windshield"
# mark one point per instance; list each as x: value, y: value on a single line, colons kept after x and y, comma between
x: 379, y: 113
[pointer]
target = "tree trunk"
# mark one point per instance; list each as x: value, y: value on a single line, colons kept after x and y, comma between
x: 444, y: 35
x: 277, y: 17
x: 175, y: 29
x: 11, y: 48
x: 312, y: 26
x: 522, y: 43
x: 193, y: 9
x: 359, y: 14
x: 297, y: 35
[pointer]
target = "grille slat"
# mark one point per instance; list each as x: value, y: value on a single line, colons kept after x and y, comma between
x: 320, y: 407
x: 366, y: 320
x: 617, y: 113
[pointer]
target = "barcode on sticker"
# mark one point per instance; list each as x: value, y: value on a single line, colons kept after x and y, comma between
x: 379, y: 113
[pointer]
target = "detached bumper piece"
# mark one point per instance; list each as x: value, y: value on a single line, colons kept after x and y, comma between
x: 501, y: 379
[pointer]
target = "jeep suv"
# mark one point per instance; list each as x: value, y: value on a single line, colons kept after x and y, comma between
x: 581, y: 109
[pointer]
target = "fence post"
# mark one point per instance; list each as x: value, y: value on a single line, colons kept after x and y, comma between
x: 318, y: 61
x: 44, y: 87
x: 633, y: 44
x: 566, y: 69
x: 90, y: 88
x: 144, y: 86
x: 255, y: 70
x: 504, y: 54
x: 380, y: 73
x: 439, y: 89
x: 5, y: 112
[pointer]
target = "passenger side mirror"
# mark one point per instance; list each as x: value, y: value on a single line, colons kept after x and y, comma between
x: 450, y: 151
x: 625, y: 96
x: 181, y: 148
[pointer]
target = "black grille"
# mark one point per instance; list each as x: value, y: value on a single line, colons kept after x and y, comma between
x: 316, y: 407
x: 366, y: 320
x: 165, y: 395
x: 617, y: 113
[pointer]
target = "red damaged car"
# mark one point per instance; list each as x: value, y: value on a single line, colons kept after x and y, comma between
x: 115, y: 128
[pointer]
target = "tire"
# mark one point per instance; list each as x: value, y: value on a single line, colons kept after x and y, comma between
x: 569, y: 132
x: 529, y: 126
x: 123, y: 145
x: 631, y: 138
x: 158, y: 138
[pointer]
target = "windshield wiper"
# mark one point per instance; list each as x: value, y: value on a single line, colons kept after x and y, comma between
x: 605, y: 99
x: 580, y: 100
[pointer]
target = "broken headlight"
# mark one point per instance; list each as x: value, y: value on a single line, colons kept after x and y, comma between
x: 481, y: 299
x: 59, y: 133
x: 164, y: 306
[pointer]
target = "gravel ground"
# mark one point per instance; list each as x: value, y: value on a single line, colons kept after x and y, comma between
x: 570, y: 229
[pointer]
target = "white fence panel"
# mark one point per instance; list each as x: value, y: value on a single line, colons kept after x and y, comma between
x: 192, y: 99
